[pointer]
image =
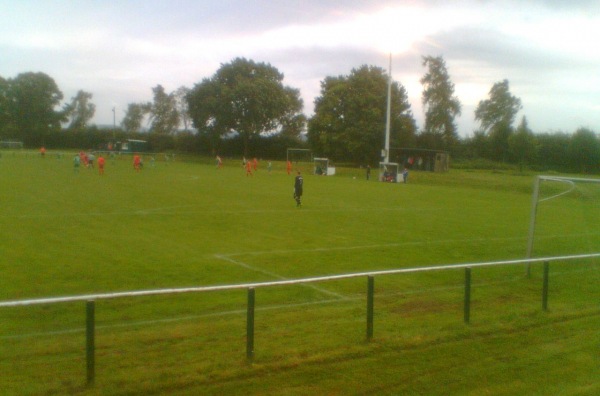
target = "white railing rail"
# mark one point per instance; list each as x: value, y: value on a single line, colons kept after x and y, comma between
x: 91, y: 298
x: 200, y: 289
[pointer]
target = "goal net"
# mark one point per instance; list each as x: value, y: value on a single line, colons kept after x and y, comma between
x: 301, y: 159
x: 565, y: 216
x: 11, y: 144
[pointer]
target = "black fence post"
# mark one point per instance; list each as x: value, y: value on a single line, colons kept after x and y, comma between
x: 370, y: 312
x: 545, y: 286
x: 467, y: 307
x: 90, y: 341
x: 250, y: 325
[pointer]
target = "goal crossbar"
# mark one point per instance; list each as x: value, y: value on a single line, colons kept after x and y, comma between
x: 299, y: 151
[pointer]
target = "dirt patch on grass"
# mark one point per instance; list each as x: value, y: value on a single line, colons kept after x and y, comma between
x: 416, y: 307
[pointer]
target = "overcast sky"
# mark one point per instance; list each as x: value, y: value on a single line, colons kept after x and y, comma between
x: 118, y: 50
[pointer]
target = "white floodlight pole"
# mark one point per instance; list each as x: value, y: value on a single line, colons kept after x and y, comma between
x: 387, y: 118
x: 114, y: 109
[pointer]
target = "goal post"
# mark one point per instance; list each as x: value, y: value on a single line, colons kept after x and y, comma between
x: 570, y: 184
x: 296, y: 155
x: 300, y: 159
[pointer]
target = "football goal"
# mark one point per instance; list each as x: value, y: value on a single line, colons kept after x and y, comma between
x: 300, y: 158
x: 565, y: 211
x: 11, y: 144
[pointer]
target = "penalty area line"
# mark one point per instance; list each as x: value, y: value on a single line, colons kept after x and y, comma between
x: 269, y: 273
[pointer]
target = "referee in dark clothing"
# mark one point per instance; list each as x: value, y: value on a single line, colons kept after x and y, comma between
x: 298, y: 182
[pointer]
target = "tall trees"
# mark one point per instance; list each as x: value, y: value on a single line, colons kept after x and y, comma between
x: 32, y: 99
x: 80, y: 110
x: 584, y: 151
x: 165, y: 112
x: 522, y: 144
x: 293, y: 121
x: 5, y: 118
x: 132, y: 122
x: 164, y: 117
x: 496, y: 116
x: 181, y: 106
x: 350, y: 116
x: 244, y: 97
x: 441, y: 106
x: 552, y: 149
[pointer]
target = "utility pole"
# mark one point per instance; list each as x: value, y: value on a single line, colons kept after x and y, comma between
x: 388, y: 115
x: 114, y: 123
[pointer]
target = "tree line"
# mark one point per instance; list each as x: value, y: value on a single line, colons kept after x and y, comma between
x: 245, y: 109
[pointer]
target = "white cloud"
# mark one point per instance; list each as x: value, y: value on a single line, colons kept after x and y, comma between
x: 120, y: 50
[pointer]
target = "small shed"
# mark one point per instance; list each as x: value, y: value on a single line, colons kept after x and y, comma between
x: 389, y: 171
x: 422, y: 159
x: 323, y: 168
x: 133, y: 145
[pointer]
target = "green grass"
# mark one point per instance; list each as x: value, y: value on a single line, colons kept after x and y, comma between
x: 186, y: 223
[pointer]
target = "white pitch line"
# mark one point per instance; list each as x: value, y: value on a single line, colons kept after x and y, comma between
x: 256, y: 269
x: 395, y: 244
x: 361, y: 247
x: 167, y: 210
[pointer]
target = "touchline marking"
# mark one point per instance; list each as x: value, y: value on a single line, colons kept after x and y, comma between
x: 360, y: 247
x: 255, y: 269
x: 168, y: 210
x: 396, y: 244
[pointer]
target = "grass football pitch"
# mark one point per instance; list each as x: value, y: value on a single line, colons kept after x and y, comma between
x: 186, y: 223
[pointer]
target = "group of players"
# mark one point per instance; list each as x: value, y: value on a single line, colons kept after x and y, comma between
x: 250, y: 165
x: 298, y: 180
x: 88, y: 160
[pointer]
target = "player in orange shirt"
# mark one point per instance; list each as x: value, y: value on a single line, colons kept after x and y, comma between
x: 289, y: 167
x: 101, y: 165
x: 248, y: 168
x: 137, y: 163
